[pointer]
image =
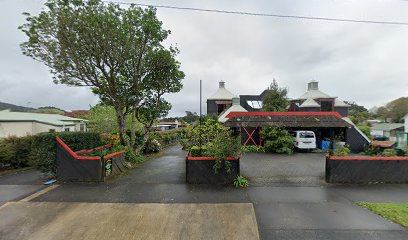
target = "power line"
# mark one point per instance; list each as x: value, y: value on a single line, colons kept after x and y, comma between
x: 265, y: 14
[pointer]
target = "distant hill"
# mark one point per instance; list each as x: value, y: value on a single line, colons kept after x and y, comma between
x: 15, y: 108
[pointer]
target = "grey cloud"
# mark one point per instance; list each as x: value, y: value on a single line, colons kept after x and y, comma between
x: 360, y: 62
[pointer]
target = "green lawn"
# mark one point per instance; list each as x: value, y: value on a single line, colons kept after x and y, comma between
x: 396, y: 212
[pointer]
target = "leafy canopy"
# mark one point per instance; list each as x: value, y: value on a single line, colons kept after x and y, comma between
x: 116, y: 51
x: 275, y: 98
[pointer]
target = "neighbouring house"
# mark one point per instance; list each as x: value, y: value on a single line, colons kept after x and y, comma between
x: 23, y: 123
x: 406, y: 123
x: 164, y: 126
x: 389, y: 130
x: 315, y: 100
x: 220, y: 101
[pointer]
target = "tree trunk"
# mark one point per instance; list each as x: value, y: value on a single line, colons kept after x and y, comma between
x: 145, y: 136
x: 133, y: 130
x: 121, y: 118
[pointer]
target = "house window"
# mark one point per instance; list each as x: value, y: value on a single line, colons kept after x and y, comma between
x: 326, y: 106
x: 221, y: 108
x: 82, y: 127
x: 66, y: 129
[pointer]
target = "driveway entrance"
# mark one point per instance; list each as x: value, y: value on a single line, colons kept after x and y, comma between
x: 298, y: 168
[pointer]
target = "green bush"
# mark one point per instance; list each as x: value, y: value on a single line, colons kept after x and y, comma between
x: 7, y: 154
x: 167, y: 137
x: 372, y: 150
x: 222, y: 146
x: 196, y: 135
x: 43, y: 147
x: 15, y: 151
x: 253, y: 148
x: 341, y: 151
x: 132, y: 157
x: 405, y: 149
x: 277, y: 140
x: 152, y: 146
x: 196, y: 151
x: 389, y: 153
x: 365, y: 129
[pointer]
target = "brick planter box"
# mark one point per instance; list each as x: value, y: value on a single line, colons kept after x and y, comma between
x: 199, y: 170
x: 366, y: 170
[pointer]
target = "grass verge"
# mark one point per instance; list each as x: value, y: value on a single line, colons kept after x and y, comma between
x: 396, y: 212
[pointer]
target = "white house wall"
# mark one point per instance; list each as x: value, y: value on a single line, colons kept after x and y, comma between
x: 21, y: 129
x: 377, y: 132
x: 406, y: 123
x: 18, y: 129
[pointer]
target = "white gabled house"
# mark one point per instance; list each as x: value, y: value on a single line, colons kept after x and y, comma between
x: 21, y: 124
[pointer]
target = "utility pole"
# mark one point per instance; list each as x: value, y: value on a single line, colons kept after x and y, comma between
x: 201, y: 134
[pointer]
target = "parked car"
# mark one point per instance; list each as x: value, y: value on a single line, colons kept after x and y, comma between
x: 304, y: 140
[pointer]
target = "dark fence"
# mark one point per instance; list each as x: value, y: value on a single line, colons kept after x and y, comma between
x: 366, y: 170
x: 73, y: 167
x: 199, y: 170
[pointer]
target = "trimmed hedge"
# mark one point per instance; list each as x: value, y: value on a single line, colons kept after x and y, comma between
x: 15, y: 152
x: 196, y: 151
x: 43, y: 147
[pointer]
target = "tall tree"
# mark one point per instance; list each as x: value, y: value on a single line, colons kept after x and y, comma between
x: 357, y: 113
x: 275, y: 98
x: 395, y: 109
x: 116, y: 51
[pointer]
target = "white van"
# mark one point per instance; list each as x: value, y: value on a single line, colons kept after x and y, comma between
x: 304, y: 139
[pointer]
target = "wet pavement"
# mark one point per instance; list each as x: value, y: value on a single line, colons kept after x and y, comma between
x: 18, y: 185
x: 270, y: 169
x: 285, y: 210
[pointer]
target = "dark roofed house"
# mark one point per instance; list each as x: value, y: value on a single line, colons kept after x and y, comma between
x: 315, y: 100
x: 220, y: 101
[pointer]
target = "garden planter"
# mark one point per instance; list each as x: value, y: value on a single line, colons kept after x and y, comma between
x: 366, y: 170
x: 71, y: 166
x: 199, y: 170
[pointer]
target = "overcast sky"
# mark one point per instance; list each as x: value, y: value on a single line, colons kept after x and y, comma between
x: 365, y: 63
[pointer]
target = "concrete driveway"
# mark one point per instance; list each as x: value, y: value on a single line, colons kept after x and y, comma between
x: 299, y: 168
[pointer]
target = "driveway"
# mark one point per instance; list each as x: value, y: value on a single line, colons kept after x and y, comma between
x: 299, y: 168
x: 281, y: 211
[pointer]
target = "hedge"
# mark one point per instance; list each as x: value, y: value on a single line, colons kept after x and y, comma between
x: 43, y: 147
x: 15, y: 152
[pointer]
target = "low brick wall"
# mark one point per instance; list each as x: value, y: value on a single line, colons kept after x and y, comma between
x: 366, y: 170
x: 199, y: 170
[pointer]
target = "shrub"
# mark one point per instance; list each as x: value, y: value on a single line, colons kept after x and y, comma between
x: 15, y: 151
x: 167, y: 137
x: 277, y: 140
x: 389, y: 153
x: 405, y: 149
x: 152, y: 146
x: 253, y: 148
x: 196, y: 151
x: 222, y: 146
x: 341, y: 151
x: 241, y: 181
x: 132, y: 157
x: 365, y: 129
x: 372, y: 150
x: 196, y: 135
x: 7, y: 154
x: 43, y: 147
